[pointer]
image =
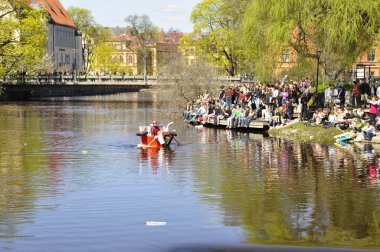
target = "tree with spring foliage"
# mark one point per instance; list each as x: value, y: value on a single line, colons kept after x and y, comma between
x: 93, y: 34
x: 23, y: 37
x: 217, y: 32
x: 341, y: 29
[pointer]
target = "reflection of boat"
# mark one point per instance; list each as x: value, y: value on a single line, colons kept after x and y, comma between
x: 156, y: 158
x: 151, y: 139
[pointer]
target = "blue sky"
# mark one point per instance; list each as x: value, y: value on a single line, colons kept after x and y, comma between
x: 165, y: 14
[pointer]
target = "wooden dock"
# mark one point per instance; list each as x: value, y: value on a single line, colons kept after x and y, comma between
x: 255, y: 125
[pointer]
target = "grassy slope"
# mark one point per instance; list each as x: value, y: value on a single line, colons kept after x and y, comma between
x: 298, y: 131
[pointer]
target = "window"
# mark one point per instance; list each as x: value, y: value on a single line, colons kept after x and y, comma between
x: 371, y: 55
x: 130, y: 59
x: 67, y: 59
x: 285, y: 56
x: 121, y: 59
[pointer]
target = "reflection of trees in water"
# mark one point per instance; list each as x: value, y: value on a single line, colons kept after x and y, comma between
x: 285, y: 192
x: 19, y: 173
x: 32, y: 162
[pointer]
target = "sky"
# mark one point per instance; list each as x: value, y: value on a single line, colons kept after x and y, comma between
x: 165, y: 14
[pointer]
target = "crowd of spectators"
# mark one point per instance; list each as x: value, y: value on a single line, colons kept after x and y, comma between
x: 282, y: 102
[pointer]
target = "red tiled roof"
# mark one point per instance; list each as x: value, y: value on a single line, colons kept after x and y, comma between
x: 57, y: 12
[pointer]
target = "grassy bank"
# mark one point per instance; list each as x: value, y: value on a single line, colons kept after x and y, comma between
x: 298, y: 131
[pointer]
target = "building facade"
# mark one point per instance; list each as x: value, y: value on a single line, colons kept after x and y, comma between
x: 367, y: 65
x: 129, y: 54
x: 64, y: 45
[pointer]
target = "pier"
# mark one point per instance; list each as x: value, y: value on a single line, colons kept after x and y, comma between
x: 254, y: 125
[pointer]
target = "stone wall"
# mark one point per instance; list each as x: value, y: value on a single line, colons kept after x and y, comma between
x: 27, y: 92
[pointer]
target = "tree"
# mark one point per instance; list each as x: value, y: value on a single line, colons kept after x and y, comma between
x: 23, y: 37
x: 341, y: 31
x: 93, y: 34
x: 181, y: 83
x: 217, y: 31
x: 144, y: 31
x: 102, y: 57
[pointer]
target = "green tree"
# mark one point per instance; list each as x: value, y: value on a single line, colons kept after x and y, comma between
x: 217, y: 33
x: 93, y: 34
x: 23, y: 37
x: 340, y: 30
x: 102, y: 57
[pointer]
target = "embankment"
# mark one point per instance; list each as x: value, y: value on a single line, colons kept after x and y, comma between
x: 313, y: 134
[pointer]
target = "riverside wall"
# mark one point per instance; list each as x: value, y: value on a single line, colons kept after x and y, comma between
x: 21, y: 92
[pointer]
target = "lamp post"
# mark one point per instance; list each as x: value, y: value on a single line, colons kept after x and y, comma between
x: 75, y: 66
x: 318, y: 57
x: 145, y: 70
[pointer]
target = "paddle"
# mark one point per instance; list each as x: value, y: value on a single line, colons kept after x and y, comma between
x: 155, y: 137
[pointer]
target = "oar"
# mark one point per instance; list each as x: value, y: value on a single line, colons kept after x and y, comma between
x: 150, y: 142
x: 177, y: 141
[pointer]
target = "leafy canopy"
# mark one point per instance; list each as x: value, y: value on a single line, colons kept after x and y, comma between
x: 341, y: 29
x: 23, y: 37
x: 217, y: 31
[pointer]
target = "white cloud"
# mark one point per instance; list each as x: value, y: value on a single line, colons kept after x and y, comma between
x: 172, y: 8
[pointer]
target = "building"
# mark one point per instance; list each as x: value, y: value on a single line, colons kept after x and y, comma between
x: 64, y: 44
x: 367, y: 65
x: 128, y: 53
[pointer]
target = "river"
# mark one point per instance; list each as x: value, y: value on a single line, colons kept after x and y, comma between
x: 72, y: 179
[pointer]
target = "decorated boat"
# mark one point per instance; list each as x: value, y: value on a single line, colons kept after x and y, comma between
x: 156, y: 136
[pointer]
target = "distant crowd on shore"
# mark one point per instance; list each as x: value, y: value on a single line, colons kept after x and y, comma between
x: 280, y: 103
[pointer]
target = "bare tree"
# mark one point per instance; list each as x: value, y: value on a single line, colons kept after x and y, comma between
x: 181, y: 83
x: 144, y: 31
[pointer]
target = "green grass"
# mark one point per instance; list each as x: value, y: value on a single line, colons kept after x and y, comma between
x: 300, y: 132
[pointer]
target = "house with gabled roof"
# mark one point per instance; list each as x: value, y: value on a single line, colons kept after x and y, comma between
x: 64, y: 44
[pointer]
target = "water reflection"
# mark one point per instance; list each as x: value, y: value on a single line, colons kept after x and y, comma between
x: 156, y: 158
x: 73, y: 162
x: 282, y: 191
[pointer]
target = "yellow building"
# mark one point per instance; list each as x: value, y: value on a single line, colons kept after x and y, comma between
x: 129, y: 54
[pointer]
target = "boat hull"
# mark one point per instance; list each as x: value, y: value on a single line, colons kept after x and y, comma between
x: 150, y: 141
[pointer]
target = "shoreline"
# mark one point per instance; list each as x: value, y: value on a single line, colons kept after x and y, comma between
x: 297, y: 131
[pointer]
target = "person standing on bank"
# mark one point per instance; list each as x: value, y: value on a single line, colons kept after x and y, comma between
x: 374, y: 105
x: 364, y: 92
x: 355, y: 95
x: 329, y: 97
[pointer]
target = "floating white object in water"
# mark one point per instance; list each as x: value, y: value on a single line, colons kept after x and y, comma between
x: 155, y: 223
x: 84, y: 152
x: 199, y: 126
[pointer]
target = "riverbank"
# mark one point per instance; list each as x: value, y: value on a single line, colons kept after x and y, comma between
x: 312, y: 134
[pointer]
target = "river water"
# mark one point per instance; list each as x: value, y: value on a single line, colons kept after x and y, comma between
x: 72, y: 179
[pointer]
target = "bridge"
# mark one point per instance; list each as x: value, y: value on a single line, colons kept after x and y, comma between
x: 22, y: 92
x: 26, y: 88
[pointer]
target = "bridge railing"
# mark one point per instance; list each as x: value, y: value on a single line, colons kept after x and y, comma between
x: 68, y: 79
x: 90, y: 79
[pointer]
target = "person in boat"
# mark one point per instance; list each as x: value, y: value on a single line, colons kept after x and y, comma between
x: 155, y: 128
